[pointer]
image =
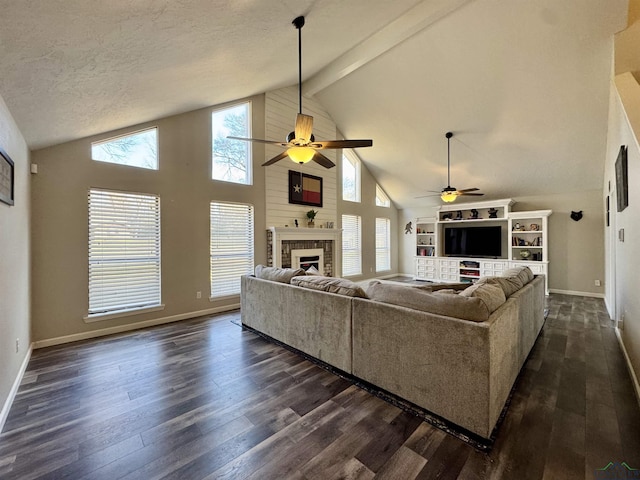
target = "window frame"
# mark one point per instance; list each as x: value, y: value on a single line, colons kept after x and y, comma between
x: 101, y: 253
x: 386, y: 248
x: 381, y: 194
x: 354, y: 160
x: 248, y: 232
x: 129, y: 134
x: 248, y: 145
x: 356, y: 221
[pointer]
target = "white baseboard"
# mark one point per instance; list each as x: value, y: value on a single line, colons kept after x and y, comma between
x: 4, y: 413
x: 634, y: 377
x: 131, y: 326
x: 579, y: 294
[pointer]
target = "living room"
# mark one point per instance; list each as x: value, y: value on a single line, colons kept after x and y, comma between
x: 44, y: 262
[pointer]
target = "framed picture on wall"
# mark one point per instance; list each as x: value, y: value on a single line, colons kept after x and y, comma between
x: 6, y: 178
x: 622, y: 182
x: 305, y: 189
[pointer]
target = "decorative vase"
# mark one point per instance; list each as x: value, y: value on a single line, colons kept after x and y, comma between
x: 311, y: 224
x: 525, y: 254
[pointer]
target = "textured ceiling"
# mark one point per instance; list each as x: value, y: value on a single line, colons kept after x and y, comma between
x: 523, y: 85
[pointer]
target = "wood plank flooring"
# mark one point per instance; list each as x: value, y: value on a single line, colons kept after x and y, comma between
x: 204, y: 399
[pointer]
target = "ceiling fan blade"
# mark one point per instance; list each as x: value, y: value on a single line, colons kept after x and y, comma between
x: 304, y: 127
x: 471, y: 194
x: 275, y: 159
x: 322, y: 160
x: 468, y: 190
x: 257, y: 140
x: 342, y: 144
x: 430, y: 195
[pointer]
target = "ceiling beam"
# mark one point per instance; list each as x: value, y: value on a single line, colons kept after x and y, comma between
x: 414, y: 20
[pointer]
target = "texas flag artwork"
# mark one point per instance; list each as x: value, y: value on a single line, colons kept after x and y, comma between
x: 305, y: 189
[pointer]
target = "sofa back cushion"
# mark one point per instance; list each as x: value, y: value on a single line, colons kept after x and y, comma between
x: 523, y: 273
x: 275, y: 274
x: 509, y: 285
x: 447, y: 304
x: 340, y: 286
x: 491, y: 295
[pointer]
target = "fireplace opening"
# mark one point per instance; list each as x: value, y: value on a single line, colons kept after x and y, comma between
x: 308, y: 262
x: 307, y: 258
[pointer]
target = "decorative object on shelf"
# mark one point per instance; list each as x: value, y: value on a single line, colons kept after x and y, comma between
x: 474, y: 214
x: 622, y: 186
x: 493, y: 213
x: 7, y: 194
x: 329, y: 224
x: 408, y: 228
x: 305, y: 189
x: 301, y: 144
x: 576, y: 215
x: 296, y: 222
x: 525, y: 254
x: 449, y: 193
x: 447, y: 216
x: 518, y: 228
x: 311, y: 214
x: 459, y: 215
x: 534, y: 227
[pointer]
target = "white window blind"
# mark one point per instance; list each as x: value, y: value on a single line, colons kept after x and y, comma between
x: 231, y: 247
x: 124, y: 251
x: 351, y: 246
x: 383, y: 244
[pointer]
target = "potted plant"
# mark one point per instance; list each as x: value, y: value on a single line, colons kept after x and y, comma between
x: 311, y: 214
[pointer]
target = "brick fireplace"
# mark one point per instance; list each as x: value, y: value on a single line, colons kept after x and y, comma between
x: 283, y: 242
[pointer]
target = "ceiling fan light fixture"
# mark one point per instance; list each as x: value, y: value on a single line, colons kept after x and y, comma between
x: 448, y: 196
x: 301, y: 154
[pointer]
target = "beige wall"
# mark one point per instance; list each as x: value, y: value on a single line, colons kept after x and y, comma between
x: 368, y: 211
x: 183, y: 182
x: 623, y: 257
x: 14, y: 263
x: 576, y: 249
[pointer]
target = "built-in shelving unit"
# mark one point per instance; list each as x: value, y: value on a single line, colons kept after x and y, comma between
x: 526, y: 240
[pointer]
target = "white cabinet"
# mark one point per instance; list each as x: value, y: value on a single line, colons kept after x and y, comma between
x: 426, y: 268
x: 448, y: 270
x: 528, y: 240
x: 493, y: 268
x: 426, y: 245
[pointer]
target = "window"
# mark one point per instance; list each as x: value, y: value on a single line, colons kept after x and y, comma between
x: 231, y: 159
x: 124, y: 251
x: 381, y: 198
x: 351, y: 250
x: 350, y: 177
x: 383, y: 244
x: 135, y: 150
x: 231, y: 247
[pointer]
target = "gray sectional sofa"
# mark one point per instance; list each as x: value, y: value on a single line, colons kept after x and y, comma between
x: 459, y: 369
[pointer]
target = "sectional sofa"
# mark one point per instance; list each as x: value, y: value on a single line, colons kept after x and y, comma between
x: 455, y: 354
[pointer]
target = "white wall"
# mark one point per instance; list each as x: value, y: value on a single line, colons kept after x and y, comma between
x: 623, y: 258
x: 14, y: 264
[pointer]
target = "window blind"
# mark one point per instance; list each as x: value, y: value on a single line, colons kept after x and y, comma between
x: 383, y: 244
x: 124, y: 251
x: 351, y: 245
x: 231, y: 247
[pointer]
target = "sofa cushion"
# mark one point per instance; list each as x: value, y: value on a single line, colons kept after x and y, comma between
x: 312, y: 271
x: 340, y: 286
x: 466, y: 308
x: 491, y: 295
x: 509, y: 285
x: 275, y: 274
x: 523, y: 273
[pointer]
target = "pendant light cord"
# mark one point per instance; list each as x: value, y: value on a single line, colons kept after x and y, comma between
x: 448, y: 162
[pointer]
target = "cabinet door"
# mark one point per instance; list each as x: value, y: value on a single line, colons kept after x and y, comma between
x: 536, y: 268
x: 492, y: 268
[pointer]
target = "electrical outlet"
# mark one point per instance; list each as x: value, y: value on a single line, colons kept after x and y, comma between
x: 17, y: 345
x: 198, y: 294
x: 597, y: 283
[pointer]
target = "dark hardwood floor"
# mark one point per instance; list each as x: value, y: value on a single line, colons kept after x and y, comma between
x: 205, y: 399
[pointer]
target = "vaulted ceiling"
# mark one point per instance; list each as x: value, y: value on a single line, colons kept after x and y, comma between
x: 523, y: 85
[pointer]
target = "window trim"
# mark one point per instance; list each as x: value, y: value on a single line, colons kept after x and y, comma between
x: 130, y: 134
x: 381, y: 192
x: 353, y: 159
x: 249, y: 163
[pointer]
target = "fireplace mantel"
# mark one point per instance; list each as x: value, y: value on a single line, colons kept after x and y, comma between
x: 281, y: 234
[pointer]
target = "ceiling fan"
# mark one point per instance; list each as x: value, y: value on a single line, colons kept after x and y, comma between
x: 449, y: 193
x: 301, y: 144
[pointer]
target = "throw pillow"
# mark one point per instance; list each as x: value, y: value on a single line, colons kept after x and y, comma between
x: 275, y: 274
x: 466, y: 308
x: 509, y: 285
x: 523, y: 273
x: 312, y: 271
x: 340, y: 286
x: 491, y: 295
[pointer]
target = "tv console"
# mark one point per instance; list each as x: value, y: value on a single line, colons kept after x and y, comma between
x: 524, y: 242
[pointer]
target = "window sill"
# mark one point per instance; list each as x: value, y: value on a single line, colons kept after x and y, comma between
x: 121, y: 313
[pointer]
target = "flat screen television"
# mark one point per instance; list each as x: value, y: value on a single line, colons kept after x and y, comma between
x: 473, y: 242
